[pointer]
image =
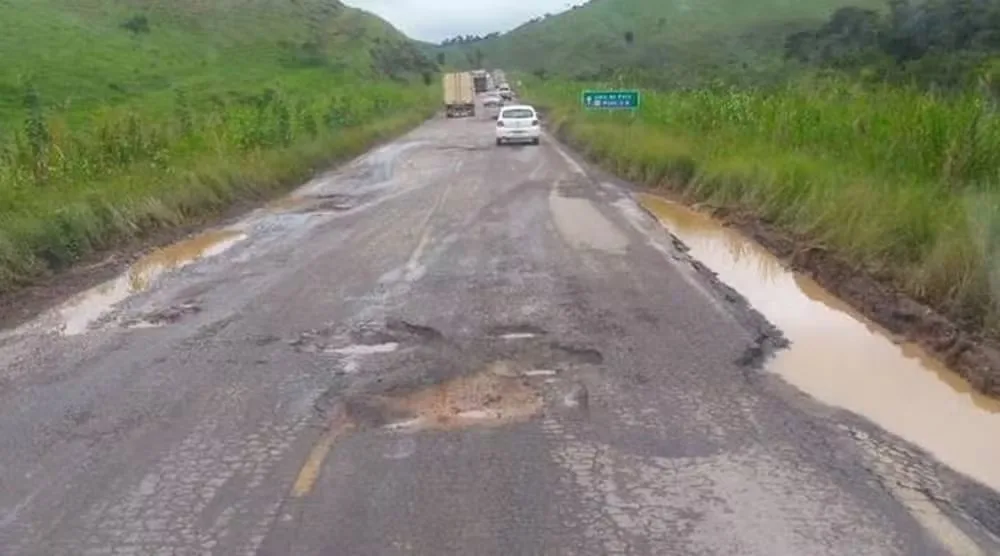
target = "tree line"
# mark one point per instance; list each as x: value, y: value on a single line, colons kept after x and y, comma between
x: 940, y: 43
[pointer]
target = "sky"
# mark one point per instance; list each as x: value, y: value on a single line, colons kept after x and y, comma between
x: 435, y: 20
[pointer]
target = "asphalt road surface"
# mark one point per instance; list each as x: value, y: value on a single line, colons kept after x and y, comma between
x: 446, y: 347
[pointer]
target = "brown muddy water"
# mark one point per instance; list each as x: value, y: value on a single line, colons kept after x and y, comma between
x: 841, y: 358
x: 79, y: 313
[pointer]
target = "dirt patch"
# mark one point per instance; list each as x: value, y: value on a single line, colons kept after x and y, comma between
x: 484, y: 399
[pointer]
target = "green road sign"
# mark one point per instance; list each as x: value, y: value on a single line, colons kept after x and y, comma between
x: 628, y: 100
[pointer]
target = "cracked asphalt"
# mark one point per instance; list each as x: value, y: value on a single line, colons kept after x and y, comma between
x: 447, y: 348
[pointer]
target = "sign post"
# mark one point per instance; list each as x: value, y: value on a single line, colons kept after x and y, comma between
x: 611, y: 100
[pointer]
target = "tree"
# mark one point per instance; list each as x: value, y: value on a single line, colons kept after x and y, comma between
x: 629, y: 37
x: 440, y: 58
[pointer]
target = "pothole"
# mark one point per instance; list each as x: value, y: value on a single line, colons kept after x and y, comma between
x: 90, y: 308
x: 517, y: 331
x: 365, y: 339
x: 332, y: 202
x: 483, y: 399
x: 579, y: 354
x: 328, y: 203
x: 165, y: 316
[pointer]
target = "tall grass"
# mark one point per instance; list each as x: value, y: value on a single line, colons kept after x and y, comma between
x: 67, y: 190
x: 902, y: 182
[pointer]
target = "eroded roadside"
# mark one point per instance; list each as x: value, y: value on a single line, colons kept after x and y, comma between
x: 45, y: 293
x: 964, y: 349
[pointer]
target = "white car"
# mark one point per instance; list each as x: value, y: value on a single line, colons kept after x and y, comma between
x: 492, y: 104
x: 518, y: 123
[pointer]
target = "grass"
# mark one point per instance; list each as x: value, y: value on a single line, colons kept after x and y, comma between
x: 902, y: 182
x: 108, y: 134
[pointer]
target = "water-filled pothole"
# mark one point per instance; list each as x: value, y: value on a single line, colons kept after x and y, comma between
x: 79, y: 313
x: 843, y: 359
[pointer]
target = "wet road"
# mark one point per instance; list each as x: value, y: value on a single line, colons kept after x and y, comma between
x: 443, y: 348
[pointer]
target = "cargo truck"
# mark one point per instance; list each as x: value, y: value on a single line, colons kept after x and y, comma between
x: 479, y: 81
x: 459, y: 95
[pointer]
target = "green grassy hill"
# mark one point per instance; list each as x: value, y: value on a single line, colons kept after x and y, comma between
x: 118, y: 117
x: 83, y: 53
x: 673, y: 40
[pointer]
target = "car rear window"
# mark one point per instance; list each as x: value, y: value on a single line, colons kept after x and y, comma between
x: 518, y: 114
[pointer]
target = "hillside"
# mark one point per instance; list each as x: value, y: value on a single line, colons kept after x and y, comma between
x: 84, y: 53
x: 673, y: 40
x: 868, y: 141
x: 123, y: 117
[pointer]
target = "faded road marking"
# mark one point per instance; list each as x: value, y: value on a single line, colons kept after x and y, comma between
x: 569, y: 159
x: 309, y: 474
x: 414, y: 270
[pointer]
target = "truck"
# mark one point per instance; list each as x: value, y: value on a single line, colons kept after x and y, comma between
x: 459, y: 96
x: 479, y: 81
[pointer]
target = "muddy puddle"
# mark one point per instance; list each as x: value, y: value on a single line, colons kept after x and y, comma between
x: 497, y: 396
x: 843, y: 359
x: 79, y: 313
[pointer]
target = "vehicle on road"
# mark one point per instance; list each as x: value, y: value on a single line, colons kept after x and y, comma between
x: 506, y: 92
x: 492, y: 104
x: 479, y: 81
x: 459, y: 96
x: 518, y: 124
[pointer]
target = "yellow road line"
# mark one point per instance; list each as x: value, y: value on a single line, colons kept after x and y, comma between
x: 308, y: 475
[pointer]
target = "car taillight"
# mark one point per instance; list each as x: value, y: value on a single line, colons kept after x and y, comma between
x: 499, y: 123
x: 534, y: 122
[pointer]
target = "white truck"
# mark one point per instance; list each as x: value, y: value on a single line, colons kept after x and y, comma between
x: 459, y: 95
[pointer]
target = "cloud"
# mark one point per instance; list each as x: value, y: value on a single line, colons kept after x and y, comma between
x: 434, y: 20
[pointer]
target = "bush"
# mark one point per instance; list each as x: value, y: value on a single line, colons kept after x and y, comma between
x: 137, y: 25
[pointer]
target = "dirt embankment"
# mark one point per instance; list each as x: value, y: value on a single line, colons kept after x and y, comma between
x: 967, y: 351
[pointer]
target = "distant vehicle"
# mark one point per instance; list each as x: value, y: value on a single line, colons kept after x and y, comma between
x: 492, y: 104
x: 518, y: 123
x: 479, y: 81
x: 505, y: 91
x: 459, y: 97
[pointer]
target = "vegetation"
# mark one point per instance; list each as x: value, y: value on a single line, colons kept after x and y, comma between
x: 118, y: 117
x: 879, y: 141
x: 900, y: 181
x: 942, y: 43
x: 662, y: 42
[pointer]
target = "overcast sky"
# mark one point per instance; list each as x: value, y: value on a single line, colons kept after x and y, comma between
x: 435, y: 20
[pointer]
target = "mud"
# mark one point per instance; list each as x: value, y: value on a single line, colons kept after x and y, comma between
x: 963, y: 348
x: 842, y: 358
x: 86, y: 309
x: 490, y: 398
x: 35, y: 295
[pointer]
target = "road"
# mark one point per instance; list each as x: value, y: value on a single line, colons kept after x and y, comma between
x: 445, y: 348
